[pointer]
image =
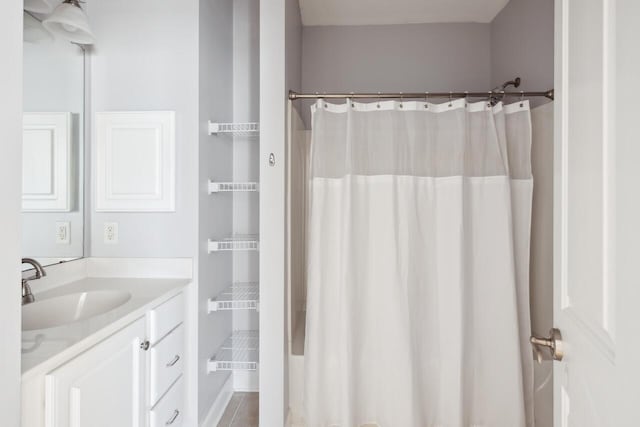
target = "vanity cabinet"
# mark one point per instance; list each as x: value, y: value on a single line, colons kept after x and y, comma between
x: 103, y: 387
x: 134, y: 377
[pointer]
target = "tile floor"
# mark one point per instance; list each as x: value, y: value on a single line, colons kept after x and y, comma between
x: 242, y: 411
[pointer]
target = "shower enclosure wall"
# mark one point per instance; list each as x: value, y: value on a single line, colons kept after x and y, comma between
x: 328, y: 66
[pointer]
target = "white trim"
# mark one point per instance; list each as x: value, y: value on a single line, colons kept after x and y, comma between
x: 246, y: 381
x: 217, y: 409
x: 165, y: 268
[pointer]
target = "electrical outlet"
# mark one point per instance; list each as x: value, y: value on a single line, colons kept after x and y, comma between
x: 63, y: 231
x: 111, y: 232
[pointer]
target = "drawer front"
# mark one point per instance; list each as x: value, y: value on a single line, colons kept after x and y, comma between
x: 165, y: 317
x: 169, y: 412
x: 166, y: 363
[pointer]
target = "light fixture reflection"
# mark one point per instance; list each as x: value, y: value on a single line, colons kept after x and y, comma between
x: 69, y: 21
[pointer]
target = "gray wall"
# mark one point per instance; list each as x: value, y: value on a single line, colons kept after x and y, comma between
x: 293, y: 45
x: 215, y: 215
x: 10, y: 168
x: 246, y: 106
x: 293, y: 81
x: 146, y: 58
x: 392, y: 58
x: 522, y: 45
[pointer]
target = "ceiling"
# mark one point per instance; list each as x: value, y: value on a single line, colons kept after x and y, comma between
x: 385, y: 12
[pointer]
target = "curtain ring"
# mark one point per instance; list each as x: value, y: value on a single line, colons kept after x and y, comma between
x: 350, y: 100
x: 378, y: 100
x: 450, y: 99
x: 466, y: 98
x: 490, y: 99
x: 521, y: 98
x: 426, y: 100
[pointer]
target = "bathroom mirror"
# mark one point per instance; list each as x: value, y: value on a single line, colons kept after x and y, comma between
x: 52, y: 146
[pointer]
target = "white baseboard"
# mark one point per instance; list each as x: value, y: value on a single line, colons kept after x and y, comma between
x: 246, y: 381
x: 217, y: 409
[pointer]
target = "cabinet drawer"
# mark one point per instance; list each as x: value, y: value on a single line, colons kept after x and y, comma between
x: 166, y: 363
x: 165, y: 317
x: 170, y: 410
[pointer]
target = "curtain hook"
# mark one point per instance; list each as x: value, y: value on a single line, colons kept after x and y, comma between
x: 490, y: 98
x: 466, y: 98
x: 353, y: 105
x: 521, y: 98
x: 325, y: 104
x: 426, y: 100
x: 401, y: 98
x: 450, y: 99
x: 378, y: 99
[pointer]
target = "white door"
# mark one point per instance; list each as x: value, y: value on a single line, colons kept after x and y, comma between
x: 103, y: 387
x: 597, y: 181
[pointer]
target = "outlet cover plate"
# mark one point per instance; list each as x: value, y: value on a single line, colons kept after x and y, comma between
x: 111, y: 232
x: 63, y: 231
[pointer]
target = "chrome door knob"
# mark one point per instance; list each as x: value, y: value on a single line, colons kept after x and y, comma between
x: 553, y: 343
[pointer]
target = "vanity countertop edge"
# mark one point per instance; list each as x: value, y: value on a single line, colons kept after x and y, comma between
x: 147, y: 293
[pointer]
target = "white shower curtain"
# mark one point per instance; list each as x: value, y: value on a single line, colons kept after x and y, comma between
x: 418, y: 265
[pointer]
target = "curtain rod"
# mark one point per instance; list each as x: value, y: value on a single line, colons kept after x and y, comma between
x: 417, y: 95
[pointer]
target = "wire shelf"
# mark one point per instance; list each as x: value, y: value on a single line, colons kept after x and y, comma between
x: 238, y: 296
x: 238, y: 352
x: 236, y: 243
x: 239, y: 129
x: 224, y: 187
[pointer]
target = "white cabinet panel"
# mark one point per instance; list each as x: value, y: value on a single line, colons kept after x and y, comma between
x: 46, y: 162
x: 103, y: 387
x: 165, y: 317
x: 166, y: 360
x: 135, y: 161
x: 170, y: 410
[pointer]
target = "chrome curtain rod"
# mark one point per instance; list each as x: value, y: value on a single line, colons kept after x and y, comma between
x: 418, y: 95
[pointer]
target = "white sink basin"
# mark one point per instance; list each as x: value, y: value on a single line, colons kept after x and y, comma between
x: 56, y: 311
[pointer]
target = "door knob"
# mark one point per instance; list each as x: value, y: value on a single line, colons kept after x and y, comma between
x: 553, y: 343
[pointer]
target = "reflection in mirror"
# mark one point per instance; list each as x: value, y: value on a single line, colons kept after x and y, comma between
x: 53, y: 135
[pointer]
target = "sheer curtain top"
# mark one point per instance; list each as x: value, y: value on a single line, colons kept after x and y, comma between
x: 417, y: 138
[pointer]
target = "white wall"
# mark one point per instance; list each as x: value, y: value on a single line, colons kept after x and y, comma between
x: 215, y: 211
x: 279, y: 34
x: 146, y: 58
x: 54, y: 82
x: 627, y: 208
x: 10, y: 246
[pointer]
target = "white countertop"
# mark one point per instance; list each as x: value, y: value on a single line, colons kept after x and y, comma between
x: 46, y: 349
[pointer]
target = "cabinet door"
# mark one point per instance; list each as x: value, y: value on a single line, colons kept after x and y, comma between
x: 103, y: 387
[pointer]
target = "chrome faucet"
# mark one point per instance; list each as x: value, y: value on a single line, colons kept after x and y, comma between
x: 27, y: 296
